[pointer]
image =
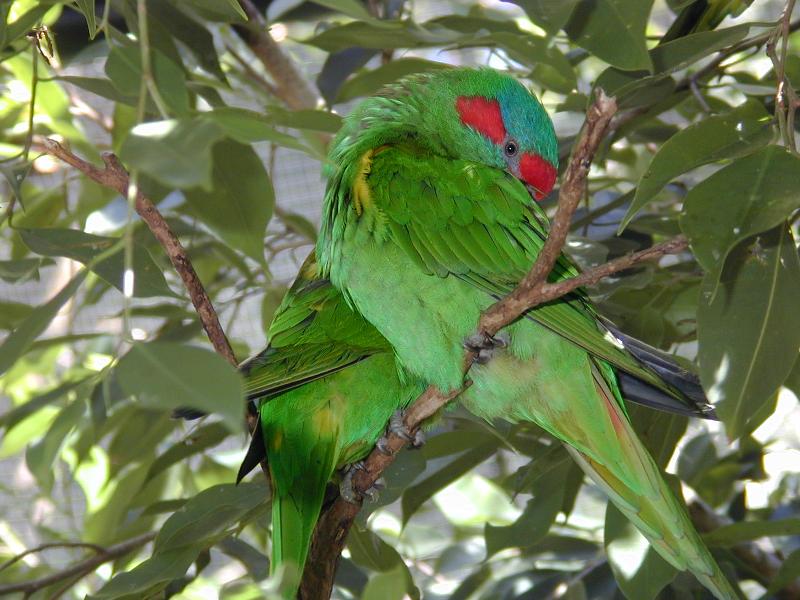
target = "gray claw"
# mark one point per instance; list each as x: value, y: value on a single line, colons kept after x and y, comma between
x: 346, y: 490
x: 349, y: 494
x: 374, y: 492
x: 486, y: 347
x: 398, y: 427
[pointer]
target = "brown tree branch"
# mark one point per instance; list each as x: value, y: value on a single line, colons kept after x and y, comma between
x: 49, y: 546
x: 80, y: 569
x: 116, y: 177
x: 334, y: 524
x: 290, y: 84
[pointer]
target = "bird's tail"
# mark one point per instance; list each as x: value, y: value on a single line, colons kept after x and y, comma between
x: 293, y: 521
x: 640, y: 492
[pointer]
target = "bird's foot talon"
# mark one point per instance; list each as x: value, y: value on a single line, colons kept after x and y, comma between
x: 346, y: 489
x: 373, y: 493
x: 398, y: 427
x: 485, y: 347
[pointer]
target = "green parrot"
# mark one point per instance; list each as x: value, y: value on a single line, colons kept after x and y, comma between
x: 325, y: 388
x: 327, y: 384
x: 428, y: 220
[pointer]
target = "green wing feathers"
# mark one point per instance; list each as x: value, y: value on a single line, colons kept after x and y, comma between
x: 479, y: 224
x: 313, y: 333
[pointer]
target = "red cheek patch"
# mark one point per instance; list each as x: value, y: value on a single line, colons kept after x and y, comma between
x: 538, y: 173
x: 483, y: 116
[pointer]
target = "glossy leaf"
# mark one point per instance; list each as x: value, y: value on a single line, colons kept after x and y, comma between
x: 613, y: 30
x: 368, y: 81
x: 742, y: 359
x: 550, y: 15
x: 248, y: 126
x: 177, y: 153
x: 389, y: 585
x: 749, y: 196
x: 19, y: 340
x: 744, y: 531
x: 725, y: 136
x: 156, y: 571
x: 239, y: 204
x: 204, y: 438
x: 170, y: 375
x: 124, y: 69
x: 209, y: 513
x: 41, y: 455
x: 84, y: 247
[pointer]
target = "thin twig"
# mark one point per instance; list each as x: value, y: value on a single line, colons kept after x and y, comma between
x: 48, y: 546
x: 290, y: 84
x: 251, y: 72
x: 785, y: 96
x: 334, y: 524
x: 80, y: 569
x: 115, y: 177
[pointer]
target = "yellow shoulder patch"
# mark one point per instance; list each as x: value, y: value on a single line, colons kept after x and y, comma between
x: 362, y: 197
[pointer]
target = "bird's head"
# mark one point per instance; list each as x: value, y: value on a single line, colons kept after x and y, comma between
x: 491, y: 118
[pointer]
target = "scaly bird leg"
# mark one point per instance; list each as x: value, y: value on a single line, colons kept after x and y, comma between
x: 347, y: 491
x: 397, y: 426
x: 485, y: 347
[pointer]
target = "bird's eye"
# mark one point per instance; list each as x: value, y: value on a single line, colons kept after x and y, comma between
x: 511, y: 148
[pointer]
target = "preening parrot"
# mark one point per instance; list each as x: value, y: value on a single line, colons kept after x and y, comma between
x: 327, y: 384
x: 428, y: 220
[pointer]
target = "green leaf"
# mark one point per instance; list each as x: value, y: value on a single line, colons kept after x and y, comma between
x: 13, y: 417
x: 24, y: 269
x: 124, y: 69
x: 787, y: 573
x: 312, y: 120
x: 416, y: 495
x: 155, y: 571
x: 195, y: 36
x: 688, y: 49
x: 84, y: 247
x: 368, y: 549
x: 176, y: 153
x: 171, y: 375
x: 87, y: 8
x: 239, y: 204
x: 749, y: 332
x: 539, y: 514
x: 712, y: 139
x: 749, y: 196
x: 19, y: 340
x: 388, y: 585
x: 11, y: 313
x: 639, y: 570
x: 204, y: 438
x: 351, y: 8
x: 209, y: 513
x: 226, y: 11
x: 744, y: 531
x: 41, y: 455
x: 383, y: 34
x: 247, y: 126
x: 256, y: 563
x: 550, y: 15
x: 370, y: 80
x: 614, y: 31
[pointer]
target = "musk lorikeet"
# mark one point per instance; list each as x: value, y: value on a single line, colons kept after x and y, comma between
x: 327, y: 384
x: 427, y: 221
